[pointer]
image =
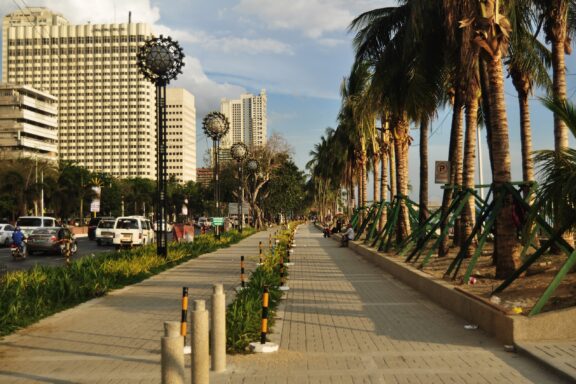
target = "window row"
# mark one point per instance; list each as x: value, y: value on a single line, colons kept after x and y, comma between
x: 78, y: 40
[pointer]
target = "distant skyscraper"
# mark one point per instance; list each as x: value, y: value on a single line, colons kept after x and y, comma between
x: 28, y: 123
x: 248, y: 120
x: 106, y: 107
x: 181, y: 134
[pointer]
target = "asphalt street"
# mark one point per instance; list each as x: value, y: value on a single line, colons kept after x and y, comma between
x: 85, y: 248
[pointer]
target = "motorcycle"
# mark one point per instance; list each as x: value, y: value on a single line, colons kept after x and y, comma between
x: 18, y: 253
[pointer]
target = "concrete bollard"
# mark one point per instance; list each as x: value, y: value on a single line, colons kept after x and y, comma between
x: 218, y: 334
x: 172, y: 357
x: 200, y: 358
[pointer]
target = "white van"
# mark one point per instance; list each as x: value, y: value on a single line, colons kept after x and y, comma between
x: 29, y: 223
x: 132, y: 230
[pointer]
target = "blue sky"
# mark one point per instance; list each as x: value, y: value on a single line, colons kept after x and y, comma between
x: 298, y: 50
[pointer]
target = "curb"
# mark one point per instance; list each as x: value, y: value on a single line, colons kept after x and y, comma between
x: 549, y: 365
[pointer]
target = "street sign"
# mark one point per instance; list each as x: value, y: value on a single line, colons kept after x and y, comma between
x: 442, y: 172
x: 217, y: 221
x: 95, y: 205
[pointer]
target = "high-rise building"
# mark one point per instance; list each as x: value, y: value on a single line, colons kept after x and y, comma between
x: 106, y: 107
x: 248, y: 120
x: 28, y: 123
x: 181, y: 134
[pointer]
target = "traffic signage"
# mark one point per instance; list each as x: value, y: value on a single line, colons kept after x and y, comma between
x: 218, y: 221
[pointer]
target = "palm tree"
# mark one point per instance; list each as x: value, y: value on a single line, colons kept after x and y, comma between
x: 556, y: 196
x: 554, y: 15
x: 491, y: 35
x: 527, y: 65
x: 405, y: 71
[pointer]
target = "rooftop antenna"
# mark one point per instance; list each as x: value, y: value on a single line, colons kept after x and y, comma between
x: 129, y: 17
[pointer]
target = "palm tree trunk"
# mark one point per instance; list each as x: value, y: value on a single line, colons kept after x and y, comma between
x: 376, y: 177
x: 423, y: 212
x: 468, y: 215
x: 507, y: 247
x: 402, y: 144
x: 455, y: 132
x: 559, y: 90
x: 383, y: 180
x: 392, y: 168
x: 486, y: 110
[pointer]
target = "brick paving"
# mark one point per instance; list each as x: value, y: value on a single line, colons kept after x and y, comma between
x: 346, y: 321
x: 343, y: 321
x: 116, y: 338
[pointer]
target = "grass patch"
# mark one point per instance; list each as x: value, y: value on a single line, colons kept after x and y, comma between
x: 28, y: 296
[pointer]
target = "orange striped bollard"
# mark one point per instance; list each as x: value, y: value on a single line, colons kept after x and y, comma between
x: 184, y: 317
x: 260, y: 252
x: 264, y: 327
x: 283, y: 286
x: 242, y: 271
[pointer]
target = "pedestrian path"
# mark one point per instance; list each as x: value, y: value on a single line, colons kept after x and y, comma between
x: 116, y: 338
x: 343, y: 321
x: 346, y: 321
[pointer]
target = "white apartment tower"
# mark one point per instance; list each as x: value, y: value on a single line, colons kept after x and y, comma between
x: 181, y: 134
x: 106, y: 107
x: 248, y: 120
x: 28, y: 123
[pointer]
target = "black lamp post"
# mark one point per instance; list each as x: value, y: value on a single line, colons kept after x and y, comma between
x: 239, y: 152
x: 253, y: 166
x: 160, y: 60
x: 215, y: 126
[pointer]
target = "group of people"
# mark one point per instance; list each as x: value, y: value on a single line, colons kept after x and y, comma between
x: 346, y: 236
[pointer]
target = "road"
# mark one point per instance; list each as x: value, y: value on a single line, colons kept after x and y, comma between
x: 85, y: 248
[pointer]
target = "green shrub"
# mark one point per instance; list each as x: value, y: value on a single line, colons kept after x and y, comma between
x: 28, y: 296
x: 244, y: 315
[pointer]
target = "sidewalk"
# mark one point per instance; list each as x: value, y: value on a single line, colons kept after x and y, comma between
x: 346, y: 321
x: 116, y: 338
x: 343, y: 321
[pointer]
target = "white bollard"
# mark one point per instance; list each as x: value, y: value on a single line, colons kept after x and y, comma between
x: 200, y: 358
x: 172, y: 357
x: 218, y: 328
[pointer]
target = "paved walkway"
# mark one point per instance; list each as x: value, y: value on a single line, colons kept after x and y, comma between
x: 343, y: 321
x: 346, y: 321
x: 116, y: 338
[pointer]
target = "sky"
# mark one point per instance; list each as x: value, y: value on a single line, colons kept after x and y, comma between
x: 298, y: 50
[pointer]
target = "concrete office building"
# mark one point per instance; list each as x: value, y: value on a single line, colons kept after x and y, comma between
x: 28, y: 123
x: 106, y: 107
x: 248, y: 120
x: 181, y: 134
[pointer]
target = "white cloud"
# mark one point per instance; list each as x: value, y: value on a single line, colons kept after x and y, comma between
x: 104, y: 11
x: 227, y: 44
x: 314, y: 18
x: 207, y: 92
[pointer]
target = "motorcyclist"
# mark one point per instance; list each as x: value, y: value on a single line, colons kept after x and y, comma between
x: 18, y: 239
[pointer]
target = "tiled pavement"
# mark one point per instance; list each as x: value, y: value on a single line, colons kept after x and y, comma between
x: 346, y: 321
x: 343, y: 321
x: 116, y: 338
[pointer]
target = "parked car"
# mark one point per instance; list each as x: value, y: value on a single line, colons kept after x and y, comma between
x: 6, y: 234
x: 93, y: 224
x: 46, y: 240
x: 105, y: 232
x: 28, y: 223
x: 132, y: 230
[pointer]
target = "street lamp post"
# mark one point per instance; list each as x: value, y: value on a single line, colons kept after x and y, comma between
x: 253, y: 166
x: 215, y: 126
x: 239, y: 152
x: 160, y: 60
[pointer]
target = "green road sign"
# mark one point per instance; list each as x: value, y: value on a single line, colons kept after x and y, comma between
x: 218, y: 221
